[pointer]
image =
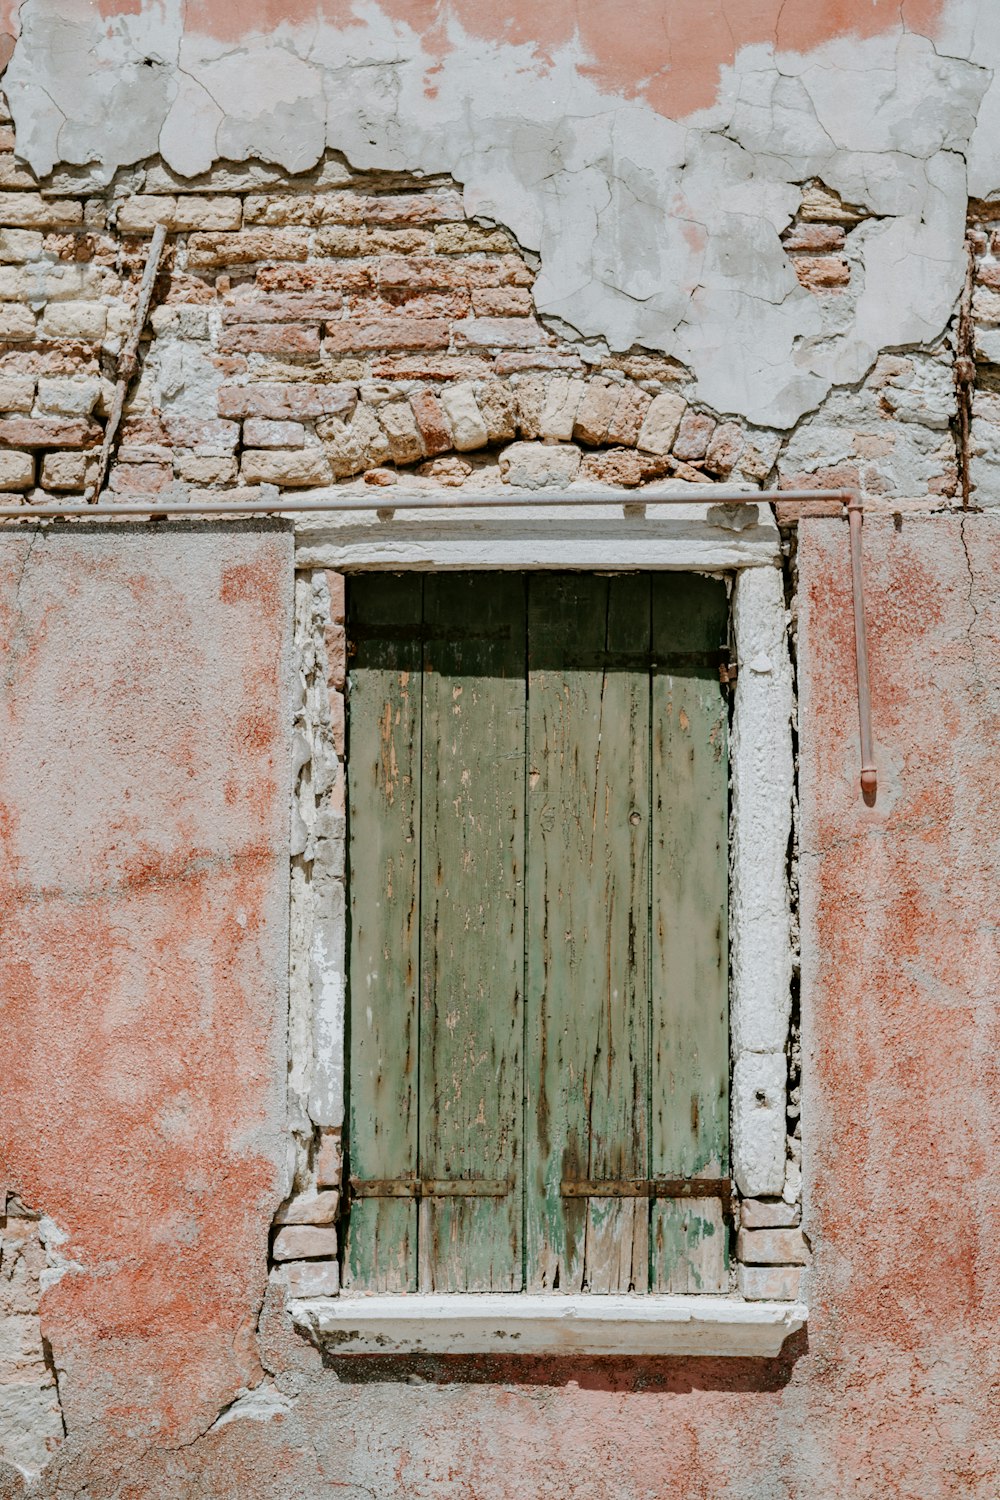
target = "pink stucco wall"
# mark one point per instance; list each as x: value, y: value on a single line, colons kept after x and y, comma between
x: 144, y: 785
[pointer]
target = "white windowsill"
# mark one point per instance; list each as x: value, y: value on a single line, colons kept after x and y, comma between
x: 512, y: 1323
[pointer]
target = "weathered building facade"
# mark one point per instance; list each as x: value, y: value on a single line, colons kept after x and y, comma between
x: 467, y: 1032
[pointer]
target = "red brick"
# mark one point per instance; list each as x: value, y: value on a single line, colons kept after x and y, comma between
x: 816, y: 237
x: 388, y: 333
x: 543, y: 359
x: 502, y: 302
x: 418, y: 305
x: 435, y: 433
x: 500, y: 333
x: 38, y: 432
x: 283, y: 309
x: 247, y: 245
x: 435, y: 207
x: 420, y: 273
x: 336, y: 655
x: 271, y: 338
x: 140, y: 479
x: 820, y: 273
x: 283, y: 403
x: 338, y: 608
x: 194, y: 432
x: 694, y: 435
x: 417, y: 367
x: 315, y: 277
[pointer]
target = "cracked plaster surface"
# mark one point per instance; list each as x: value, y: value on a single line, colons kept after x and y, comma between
x: 651, y: 230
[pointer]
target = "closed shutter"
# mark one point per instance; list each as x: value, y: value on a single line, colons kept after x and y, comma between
x: 538, y: 1045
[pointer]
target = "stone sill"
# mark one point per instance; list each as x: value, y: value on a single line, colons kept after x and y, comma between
x: 512, y: 1323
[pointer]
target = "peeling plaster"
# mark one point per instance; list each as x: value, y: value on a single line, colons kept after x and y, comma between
x: 652, y: 230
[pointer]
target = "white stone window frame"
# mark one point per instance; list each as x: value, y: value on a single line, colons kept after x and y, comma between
x: 741, y: 543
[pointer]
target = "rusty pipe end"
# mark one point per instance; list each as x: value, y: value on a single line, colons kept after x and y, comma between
x: 869, y: 785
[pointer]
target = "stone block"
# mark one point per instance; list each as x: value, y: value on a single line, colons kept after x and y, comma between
x: 16, y: 321
x: 503, y: 302
x: 387, y: 333
x: 499, y: 408
x: 140, y: 213
x: 822, y: 273
x: 618, y: 466
x: 19, y: 245
x: 32, y: 211
x: 693, y: 436
x: 596, y: 409
x: 769, y: 1213
x: 285, y: 466
x: 67, y: 471
x: 499, y: 333
x: 536, y: 466
x: 206, y: 214
x: 86, y: 321
x: 772, y: 1247
x: 724, y: 449
x: 140, y: 479
x: 69, y: 395
x: 17, y: 471
x: 336, y: 655
x: 464, y: 417
x: 305, y: 1242
x: 206, y: 468
x: 311, y: 1278
x: 48, y: 432
x: 432, y: 423
x: 468, y: 239
x: 310, y: 1208
x: 244, y: 247
x: 262, y: 432
x: 770, y: 1283
x: 352, y: 448
x: 661, y: 423
x: 400, y: 427
x: 289, y: 340
x: 562, y: 401
x: 17, y: 392
x: 759, y: 456
x: 329, y: 1157
x: 451, y: 472
x: 629, y: 416
x: 282, y: 403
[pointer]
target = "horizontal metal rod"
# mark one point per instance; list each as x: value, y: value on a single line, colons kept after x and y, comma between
x: 429, y: 1187
x: 648, y: 1187
x: 388, y: 503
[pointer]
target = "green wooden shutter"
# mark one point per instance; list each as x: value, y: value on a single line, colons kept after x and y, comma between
x: 537, y: 777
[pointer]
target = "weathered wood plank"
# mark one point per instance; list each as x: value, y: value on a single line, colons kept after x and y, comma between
x: 383, y: 771
x: 587, y: 983
x: 472, y: 915
x: 690, y: 1031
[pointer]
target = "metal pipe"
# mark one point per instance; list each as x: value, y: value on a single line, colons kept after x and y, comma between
x: 869, y: 774
x: 386, y: 503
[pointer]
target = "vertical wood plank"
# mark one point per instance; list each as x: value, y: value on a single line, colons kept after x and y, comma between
x: 383, y: 770
x: 472, y: 914
x: 690, y: 1008
x: 587, y: 983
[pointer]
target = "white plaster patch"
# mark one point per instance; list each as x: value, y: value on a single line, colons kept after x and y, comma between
x: 650, y: 231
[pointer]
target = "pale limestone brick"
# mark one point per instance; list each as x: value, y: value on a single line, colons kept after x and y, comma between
x: 724, y: 449
x: 17, y: 392
x: 400, y: 427
x: 310, y: 1208
x: 205, y: 468
x: 772, y: 1247
x: 67, y: 471
x: 71, y: 395
x: 770, y: 1283
x: 20, y: 244
x: 207, y: 213
x: 261, y: 432
x: 352, y: 448
x: 759, y: 456
x: 329, y: 1155
x: 765, y: 1213
x: 285, y: 466
x: 467, y: 425
x: 562, y: 401
x: 530, y: 396
x: 75, y: 320
x: 661, y: 422
x: 32, y: 211
x: 16, y: 321
x: 595, y: 412
x: 141, y: 213
x: 629, y: 415
x: 499, y: 409
x: 305, y: 1242
x: 311, y: 1278
x: 536, y: 466
x: 693, y: 435
x: 17, y: 471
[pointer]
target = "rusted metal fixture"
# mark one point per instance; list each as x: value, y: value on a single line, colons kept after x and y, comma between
x: 850, y: 499
x: 651, y: 1187
x: 129, y: 356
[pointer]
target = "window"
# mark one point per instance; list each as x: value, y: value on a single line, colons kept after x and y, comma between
x: 538, y: 1017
